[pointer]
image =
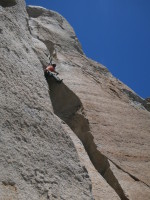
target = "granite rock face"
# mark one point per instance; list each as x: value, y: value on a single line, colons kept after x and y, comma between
x: 112, y: 121
x: 86, y: 138
x: 38, y: 159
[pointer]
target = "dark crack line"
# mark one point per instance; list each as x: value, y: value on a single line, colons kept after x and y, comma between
x: 132, y: 176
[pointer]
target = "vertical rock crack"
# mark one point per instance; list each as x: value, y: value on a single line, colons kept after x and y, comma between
x: 67, y: 106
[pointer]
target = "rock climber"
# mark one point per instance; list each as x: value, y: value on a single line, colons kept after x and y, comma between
x: 50, y: 71
x: 51, y: 68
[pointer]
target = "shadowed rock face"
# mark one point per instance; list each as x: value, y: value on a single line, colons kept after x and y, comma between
x: 69, y: 108
x: 8, y: 3
x: 101, y: 129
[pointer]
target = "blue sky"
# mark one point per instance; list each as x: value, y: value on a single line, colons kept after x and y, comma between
x: 115, y: 33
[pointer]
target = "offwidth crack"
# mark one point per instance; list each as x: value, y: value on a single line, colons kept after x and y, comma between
x: 68, y: 107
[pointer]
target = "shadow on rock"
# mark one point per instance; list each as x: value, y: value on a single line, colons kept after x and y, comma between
x: 65, y: 103
x: 68, y: 107
x: 8, y: 3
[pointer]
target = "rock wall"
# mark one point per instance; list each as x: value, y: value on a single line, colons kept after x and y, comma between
x: 38, y: 159
x: 108, y: 117
x: 54, y: 136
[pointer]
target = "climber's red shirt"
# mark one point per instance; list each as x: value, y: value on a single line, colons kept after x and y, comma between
x: 50, y: 68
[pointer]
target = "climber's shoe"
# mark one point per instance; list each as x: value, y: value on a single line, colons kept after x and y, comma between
x: 60, y: 81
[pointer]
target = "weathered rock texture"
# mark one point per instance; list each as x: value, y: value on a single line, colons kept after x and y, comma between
x: 101, y: 126
x: 38, y: 159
